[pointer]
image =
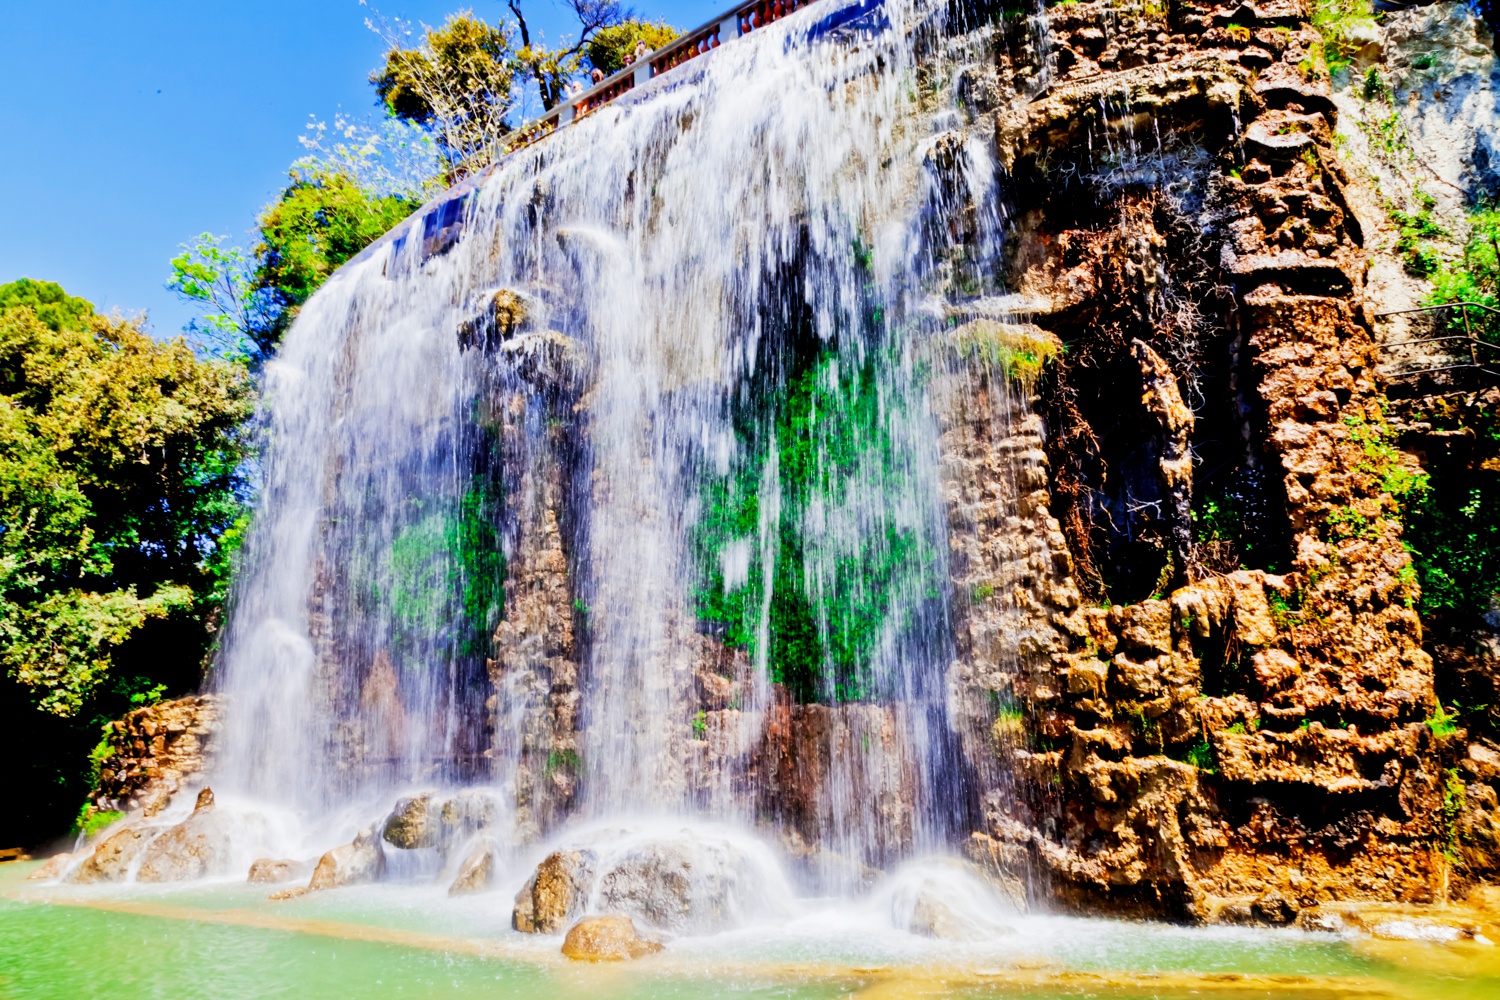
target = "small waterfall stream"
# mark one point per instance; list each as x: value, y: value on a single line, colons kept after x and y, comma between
x: 668, y: 375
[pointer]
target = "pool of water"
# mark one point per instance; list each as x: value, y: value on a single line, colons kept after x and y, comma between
x: 227, y: 940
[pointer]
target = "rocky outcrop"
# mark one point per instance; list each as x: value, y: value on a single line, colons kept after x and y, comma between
x: 476, y: 872
x: 1242, y: 730
x: 196, y: 847
x: 554, y: 894
x: 52, y: 867
x: 536, y: 658
x: 684, y: 883
x: 353, y: 864
x: 276, y: 870
x: 606, y: 939
x: 110, y: 861
x: 155, y: 752
x: 424, y: 820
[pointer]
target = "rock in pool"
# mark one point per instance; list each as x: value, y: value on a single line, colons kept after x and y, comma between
x: 276, y: 870
x: 196, y: 847
x: 554, y: 893
x: 52, y: 868
x: 475, y: 873
x: 353, y: 864
x: 111, y: 859
x: 606, y: 939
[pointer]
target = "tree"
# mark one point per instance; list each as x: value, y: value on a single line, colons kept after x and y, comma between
x: 552, y: 69
x: 461, y: 80
x: 119, y: 481
x: 319, y: 223
x: 458, y: 82
x: 607, y: 50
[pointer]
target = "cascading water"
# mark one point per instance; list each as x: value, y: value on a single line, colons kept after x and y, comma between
x: 667, y: 374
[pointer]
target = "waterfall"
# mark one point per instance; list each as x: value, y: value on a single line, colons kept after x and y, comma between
x: 613, y: 480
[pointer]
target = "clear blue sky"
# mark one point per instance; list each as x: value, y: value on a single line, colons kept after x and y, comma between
x: 131, y: 127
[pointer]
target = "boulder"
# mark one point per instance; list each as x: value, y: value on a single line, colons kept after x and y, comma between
x: 196, y: 847
x: 606, y: 939
x: 682, y: 883
x: 475, y: 873
x: 410, y: 825
x: 685, y: 883
x: 111, y: 859
x: 353, y: 864
x: 931, y: 917
x: 423, y: 820
x: 555, y: 892
x: 52, y: 868
x: 276, y: 870
x: 292, y: 893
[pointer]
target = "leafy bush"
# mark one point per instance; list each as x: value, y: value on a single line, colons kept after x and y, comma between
x: 1454, y: 534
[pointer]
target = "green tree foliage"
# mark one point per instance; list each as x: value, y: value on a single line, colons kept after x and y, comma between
x: 54, y: 307
x: 553, y: 68
x: 607, y: 50
x: 319, y: 223
x: 464, y: 80
x: 118, y: 478
x: 1454, y: 532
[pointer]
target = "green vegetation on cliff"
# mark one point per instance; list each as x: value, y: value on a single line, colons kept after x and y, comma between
x: 845, y: 577
x: 119, y: 458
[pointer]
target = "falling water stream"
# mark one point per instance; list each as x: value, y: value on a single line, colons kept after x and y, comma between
x: 742, y: 269
x: 661, y: 383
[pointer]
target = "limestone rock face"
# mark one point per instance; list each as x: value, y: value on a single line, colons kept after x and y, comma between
x: 154, y: 752
x: 52, y: 868
x: 475, y: 873
x: 111, y: 860
x: 606, y: 939
x: 276, y: 870
x: 194, y: 848
x: 353, y: 864
x: 554, y: 893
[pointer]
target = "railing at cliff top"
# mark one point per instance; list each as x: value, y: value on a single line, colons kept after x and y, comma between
x: 1468, y: 337
x: 740, y: 20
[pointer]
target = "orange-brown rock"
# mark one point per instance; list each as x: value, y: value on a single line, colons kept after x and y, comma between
x: 155, y: 751
x: 606, y: 939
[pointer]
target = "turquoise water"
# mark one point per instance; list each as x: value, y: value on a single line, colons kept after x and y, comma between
x: 169, y: 943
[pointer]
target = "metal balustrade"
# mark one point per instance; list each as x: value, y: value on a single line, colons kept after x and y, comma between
x: 737, y: 21
x: 1467, y: 337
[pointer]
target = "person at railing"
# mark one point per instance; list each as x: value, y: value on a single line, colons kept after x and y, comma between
x: 598, y: 76
x: 640, y: 49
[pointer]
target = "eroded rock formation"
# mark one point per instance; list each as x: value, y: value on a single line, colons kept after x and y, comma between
x: 155, y: 752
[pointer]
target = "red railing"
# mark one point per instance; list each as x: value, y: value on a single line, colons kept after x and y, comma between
x: 758, y: 15
x: 529, y: 133
x: 737, y: 20
x: 597, y: 99
x: 690, y: 48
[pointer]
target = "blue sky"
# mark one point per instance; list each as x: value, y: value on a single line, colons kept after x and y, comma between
x: 132, y: 127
